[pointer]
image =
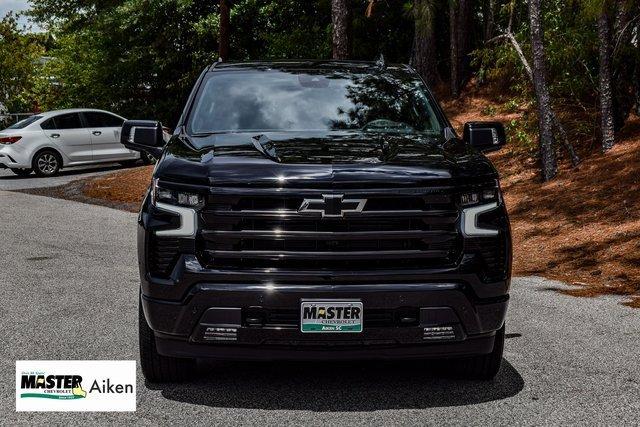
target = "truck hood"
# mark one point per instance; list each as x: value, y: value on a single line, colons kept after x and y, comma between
x: 329, y: 159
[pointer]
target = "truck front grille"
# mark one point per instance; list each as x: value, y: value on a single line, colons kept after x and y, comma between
x: 259, y: 228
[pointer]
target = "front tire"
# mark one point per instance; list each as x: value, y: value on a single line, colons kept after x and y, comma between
x: 22, y: 172
x: 485, y: 366
x: 47, y: 163
x: 157, y: 368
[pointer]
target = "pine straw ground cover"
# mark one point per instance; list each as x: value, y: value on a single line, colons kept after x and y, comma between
x: 582, y: 228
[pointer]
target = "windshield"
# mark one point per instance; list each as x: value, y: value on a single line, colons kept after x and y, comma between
x: 313, y: 100
x: 24, y: 122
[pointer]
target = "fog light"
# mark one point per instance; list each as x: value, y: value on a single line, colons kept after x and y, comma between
x: 216, y: 333
x: 439, y: 333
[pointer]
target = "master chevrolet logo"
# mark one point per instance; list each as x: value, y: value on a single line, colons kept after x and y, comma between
x: 52, y: 386
x: 332, y: 205
x: 75, y: 385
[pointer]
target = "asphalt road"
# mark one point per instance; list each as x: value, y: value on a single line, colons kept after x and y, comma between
x: 11, y: 181
x: 68, y: 286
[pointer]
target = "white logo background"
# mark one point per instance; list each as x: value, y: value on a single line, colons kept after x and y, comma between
x: 117, y: 371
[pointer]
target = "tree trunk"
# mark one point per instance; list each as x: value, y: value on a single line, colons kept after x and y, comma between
x: 340, y: 17
x: 460, y: 23
x: 575, y: 160
x: 453, y: 47
x: 423, y: 56
x: 622, y: 69
x: 489, y: 18
x: 636, y: 77
x: 548, y: 160
x: 464, y: 30
x: 223, y: 30
x: 606, y: 95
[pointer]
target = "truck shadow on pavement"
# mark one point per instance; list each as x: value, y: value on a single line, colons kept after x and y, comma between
x: 338, y: 387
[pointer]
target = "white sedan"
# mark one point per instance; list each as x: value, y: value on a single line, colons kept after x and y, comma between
x: 46, y: 142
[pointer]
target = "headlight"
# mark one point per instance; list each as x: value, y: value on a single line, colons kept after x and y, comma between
x: 490, y: 195
x: 182, y: 203
x: 174, y: 197
x: 473, y: 205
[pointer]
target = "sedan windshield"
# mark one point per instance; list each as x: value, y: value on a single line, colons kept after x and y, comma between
x: 313, y: 100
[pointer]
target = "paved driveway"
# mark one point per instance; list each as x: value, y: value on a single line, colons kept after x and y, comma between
x: 68, y: 285
x: 11, y: 181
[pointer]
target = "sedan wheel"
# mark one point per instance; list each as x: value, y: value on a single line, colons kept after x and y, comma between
x: 46, y: 164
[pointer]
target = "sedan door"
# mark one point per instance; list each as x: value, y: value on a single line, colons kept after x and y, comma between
x: 104, y: 129
x: 68, y: 134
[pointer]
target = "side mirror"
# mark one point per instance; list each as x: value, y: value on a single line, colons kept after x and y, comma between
x: 485, y: 136
x: 143, y: 135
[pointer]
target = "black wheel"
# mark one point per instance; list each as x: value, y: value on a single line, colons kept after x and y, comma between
x: 155, y: 367
x: 148, y: 159
x: 47, y: 163
x: 485, y: 366
x: 22, y: 172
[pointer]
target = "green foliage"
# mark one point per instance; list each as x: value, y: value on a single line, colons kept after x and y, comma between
x: 511, y: 106
x: 19, y: 54
x: 570, y: 46
x: 521, y: 133
x: 281, y: 29
x: 489, y: 110
x: 140, y: 58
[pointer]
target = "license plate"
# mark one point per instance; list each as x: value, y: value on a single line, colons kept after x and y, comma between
x: 330, y: 316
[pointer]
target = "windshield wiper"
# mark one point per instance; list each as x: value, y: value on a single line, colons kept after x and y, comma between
x: 265, y: 146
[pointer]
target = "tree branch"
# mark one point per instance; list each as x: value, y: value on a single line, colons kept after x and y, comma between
x: 560, y: 131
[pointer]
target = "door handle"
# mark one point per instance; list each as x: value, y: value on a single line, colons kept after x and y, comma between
x: 96, y: 132
x: 55, y: 135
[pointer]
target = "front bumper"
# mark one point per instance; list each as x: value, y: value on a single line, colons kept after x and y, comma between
x: 188, y: 328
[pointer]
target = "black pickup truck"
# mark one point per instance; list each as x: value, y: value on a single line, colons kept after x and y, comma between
x: 320, y: 210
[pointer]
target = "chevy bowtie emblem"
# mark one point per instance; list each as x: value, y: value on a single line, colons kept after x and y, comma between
x: 332, y: 205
